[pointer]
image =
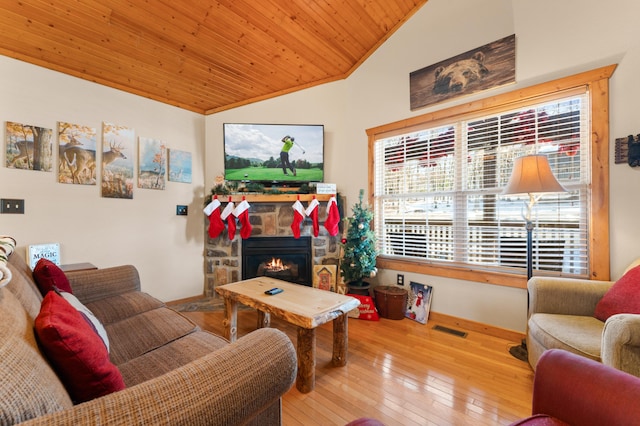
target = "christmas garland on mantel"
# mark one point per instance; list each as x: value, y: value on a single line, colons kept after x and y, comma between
x: 235, y: 188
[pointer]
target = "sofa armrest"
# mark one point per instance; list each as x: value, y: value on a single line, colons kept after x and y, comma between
x: 568, y: 296
x: 580, y: 391
x: 227, y: 387
x: 621, y: 343
x: 95, y: 284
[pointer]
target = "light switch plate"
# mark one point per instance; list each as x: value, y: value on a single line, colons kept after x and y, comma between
x: 182, y: 210
x: 11, y: 205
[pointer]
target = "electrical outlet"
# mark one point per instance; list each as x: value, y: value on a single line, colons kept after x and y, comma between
x: 400, y: 279
x: 12, y: 206
x: 181, y: 210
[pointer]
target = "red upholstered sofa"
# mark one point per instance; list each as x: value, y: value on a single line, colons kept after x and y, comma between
x: 573, y: 390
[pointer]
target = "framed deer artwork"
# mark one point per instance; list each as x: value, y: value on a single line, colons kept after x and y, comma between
x: 118, y: 156
x: 152, y: 163
x: 28, y: 147
x: 76, y: 154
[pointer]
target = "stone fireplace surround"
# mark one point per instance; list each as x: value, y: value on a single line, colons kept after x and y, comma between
x: 223, y: 261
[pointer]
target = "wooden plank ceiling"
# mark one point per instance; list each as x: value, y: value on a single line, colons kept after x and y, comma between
x: 202, y: 55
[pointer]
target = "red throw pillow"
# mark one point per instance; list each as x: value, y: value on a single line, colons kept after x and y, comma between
x: 622, y: 298
x: 47, y: 275
x: 75, y: 351
x: 367, y: 310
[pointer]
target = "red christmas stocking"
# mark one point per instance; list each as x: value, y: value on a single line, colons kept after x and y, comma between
x: 333, y: 217
x: 242, y: 213
x: 298, y: 217
x: 312, y: 212
x: 216, y: 225
x: 230, y: 218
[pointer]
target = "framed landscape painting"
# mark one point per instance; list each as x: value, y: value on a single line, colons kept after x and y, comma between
x: 152, y: 163
x: 179, y: 166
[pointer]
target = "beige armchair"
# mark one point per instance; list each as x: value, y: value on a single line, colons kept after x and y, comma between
x: 561, y: 316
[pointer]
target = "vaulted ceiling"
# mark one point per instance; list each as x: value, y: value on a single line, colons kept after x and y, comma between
x: 202, y: 55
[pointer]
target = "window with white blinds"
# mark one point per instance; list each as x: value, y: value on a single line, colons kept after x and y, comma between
x: 437, y: 191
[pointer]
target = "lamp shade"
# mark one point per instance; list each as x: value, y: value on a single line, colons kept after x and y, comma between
x: 532, y: 174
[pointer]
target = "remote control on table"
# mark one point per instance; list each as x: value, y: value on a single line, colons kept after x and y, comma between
x: 273, y: 291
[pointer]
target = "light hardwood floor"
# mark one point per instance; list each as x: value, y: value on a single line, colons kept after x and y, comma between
x: 404, y: 373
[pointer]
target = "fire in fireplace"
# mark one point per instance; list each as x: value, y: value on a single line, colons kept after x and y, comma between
x: 285, y: 258
x: 276, y: 268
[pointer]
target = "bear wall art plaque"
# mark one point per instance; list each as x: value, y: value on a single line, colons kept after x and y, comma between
x: 485, y: 67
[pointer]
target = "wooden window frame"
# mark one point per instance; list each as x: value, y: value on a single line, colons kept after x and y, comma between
x: 596, y: 83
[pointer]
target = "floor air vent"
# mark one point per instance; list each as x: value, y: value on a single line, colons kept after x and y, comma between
x: 450, y: 331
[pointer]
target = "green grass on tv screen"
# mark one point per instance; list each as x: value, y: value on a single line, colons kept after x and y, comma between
x: 271, y: 174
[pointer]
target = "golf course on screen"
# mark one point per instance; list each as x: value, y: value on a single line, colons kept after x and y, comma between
x: 274, y: 152
x: 273, y: 174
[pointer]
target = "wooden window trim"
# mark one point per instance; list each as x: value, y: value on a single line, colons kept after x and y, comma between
x: 597, y: 83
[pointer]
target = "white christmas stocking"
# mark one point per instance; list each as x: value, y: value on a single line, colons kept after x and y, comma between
x: 230, y: 218
x: 312, y: 212
x: 298, y: 217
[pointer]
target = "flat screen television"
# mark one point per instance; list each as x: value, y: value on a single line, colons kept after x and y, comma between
x: 274, y: 153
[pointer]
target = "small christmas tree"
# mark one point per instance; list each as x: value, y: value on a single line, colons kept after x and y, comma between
x: 359, y: 258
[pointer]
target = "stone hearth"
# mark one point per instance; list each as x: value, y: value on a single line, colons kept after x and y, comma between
x: 223, y: 259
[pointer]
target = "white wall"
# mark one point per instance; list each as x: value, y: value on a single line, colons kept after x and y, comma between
x: 553, y: 39
x: 167, y: 249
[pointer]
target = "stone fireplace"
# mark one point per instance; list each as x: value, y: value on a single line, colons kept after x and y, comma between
x: 224, y: 258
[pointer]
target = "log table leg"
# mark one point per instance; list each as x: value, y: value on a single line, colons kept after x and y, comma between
x: 306, y: 351
x: 264, y: 319
x: 340, y: 341
x: 230, y: 320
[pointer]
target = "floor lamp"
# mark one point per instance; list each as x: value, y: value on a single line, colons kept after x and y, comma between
x: 531, y: 175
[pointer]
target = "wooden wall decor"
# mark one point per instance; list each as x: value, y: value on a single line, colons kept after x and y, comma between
x: 627, y: 150
x: 485, y: 67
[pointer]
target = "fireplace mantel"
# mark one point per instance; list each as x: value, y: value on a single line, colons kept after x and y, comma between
x: 274, y: 198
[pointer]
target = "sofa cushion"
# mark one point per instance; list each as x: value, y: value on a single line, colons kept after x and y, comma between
x: 28, y: 386
x: 122, y: 306
x: 75, y: 351
x: 581, y: 335
x: 170, y: 356
x: 622, y: 298
x: 86, y: 313
x: 23, y: 286
x: 48, y: 275
x: 153, y: 329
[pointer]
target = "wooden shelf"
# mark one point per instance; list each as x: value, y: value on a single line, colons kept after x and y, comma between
x: 83, y: 266
x: 274, y: 198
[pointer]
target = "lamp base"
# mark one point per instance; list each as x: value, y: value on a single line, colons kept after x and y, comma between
x: 520, y: 351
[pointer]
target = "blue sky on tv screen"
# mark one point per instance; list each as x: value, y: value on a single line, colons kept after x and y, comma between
x: 263, y: 141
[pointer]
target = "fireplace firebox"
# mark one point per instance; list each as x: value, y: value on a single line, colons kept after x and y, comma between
x: 285, y: 258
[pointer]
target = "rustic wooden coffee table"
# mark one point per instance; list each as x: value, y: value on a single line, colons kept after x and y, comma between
x: 302, y: 306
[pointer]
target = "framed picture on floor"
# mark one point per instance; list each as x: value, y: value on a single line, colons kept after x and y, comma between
x: 324, y: 277
x: 419, y: 302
